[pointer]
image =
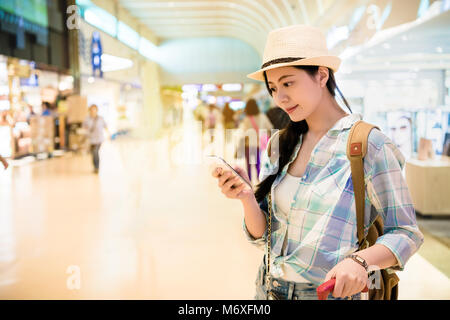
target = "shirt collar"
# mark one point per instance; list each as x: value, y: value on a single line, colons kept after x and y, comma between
x: 342, y: 124
x: 346, y: 122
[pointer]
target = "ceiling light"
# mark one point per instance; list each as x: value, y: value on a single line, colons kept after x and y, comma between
x: 114, y: 63
x: 209, y: 87
x: 232, y: 87
x: 191, y: 88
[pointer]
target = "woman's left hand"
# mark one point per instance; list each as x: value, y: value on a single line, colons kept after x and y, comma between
x: 351, y: 278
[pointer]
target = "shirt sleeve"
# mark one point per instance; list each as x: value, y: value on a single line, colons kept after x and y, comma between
x: 267, y: 168
x: 392, y: 200
x: 260, y: 243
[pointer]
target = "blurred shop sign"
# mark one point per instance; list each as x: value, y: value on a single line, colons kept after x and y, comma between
x: 19, y: 68
x: 96, y: 53
x: 32, y: 81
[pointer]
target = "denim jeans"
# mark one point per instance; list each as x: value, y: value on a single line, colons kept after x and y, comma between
x: 286, y: 290
x: 95, y: 156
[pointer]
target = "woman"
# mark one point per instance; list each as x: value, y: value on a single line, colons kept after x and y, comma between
x: 253, y: 143
x: 228, y: 117
x: 313, y: 229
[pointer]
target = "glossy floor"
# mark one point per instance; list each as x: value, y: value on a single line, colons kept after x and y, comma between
x: 147, y: 227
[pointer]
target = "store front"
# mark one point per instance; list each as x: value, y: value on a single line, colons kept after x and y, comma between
x: 34, y: 70
x: 110, y: 79
x: 24, y: 90
x: 400, y: 81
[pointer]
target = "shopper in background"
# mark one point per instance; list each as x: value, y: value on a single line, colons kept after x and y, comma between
x: 306, y: 187
x: 95, y: 126
x: 30, y: 114
x: 228, y: 117
x: 254, y: 120
x: 4, y: 162
x: 213, y: 117
x: 46, y: 109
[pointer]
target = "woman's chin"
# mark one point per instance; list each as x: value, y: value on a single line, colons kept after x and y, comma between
x: 296, y: 118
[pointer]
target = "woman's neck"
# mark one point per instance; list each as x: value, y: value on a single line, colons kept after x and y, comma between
x: 324, y: 117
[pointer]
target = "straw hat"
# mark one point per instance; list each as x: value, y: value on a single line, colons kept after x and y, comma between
x: 297, y: 45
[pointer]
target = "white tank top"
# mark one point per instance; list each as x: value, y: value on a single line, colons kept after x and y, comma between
x: 284, y: 194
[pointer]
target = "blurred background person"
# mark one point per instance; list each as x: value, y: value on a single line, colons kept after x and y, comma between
x: 229, y: 121
x: 46, y: 109
x: 4, y: 162
x: 254, y: 120
x: 95, y: 126
x: 213, y: 117
x: 31, y: 113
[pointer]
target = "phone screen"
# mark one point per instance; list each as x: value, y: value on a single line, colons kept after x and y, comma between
x: 217, y: 158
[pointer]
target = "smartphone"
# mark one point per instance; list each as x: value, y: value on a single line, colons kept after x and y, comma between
x: 218, y: 162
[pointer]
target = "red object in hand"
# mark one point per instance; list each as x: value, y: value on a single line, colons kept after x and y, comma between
x: 327, y: 287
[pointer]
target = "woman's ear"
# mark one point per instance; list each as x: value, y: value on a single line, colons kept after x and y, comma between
x: 323, y: 76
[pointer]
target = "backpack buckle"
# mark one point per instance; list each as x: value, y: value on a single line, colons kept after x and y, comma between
x: 364, y: 245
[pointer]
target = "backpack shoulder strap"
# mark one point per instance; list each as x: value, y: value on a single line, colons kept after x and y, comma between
x: 255, y: 126
x: 356, y: 151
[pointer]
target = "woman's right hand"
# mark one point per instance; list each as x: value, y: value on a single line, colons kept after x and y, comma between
x: 231, y: 185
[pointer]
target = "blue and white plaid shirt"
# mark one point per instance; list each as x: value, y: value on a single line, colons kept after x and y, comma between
x: 321, y: 225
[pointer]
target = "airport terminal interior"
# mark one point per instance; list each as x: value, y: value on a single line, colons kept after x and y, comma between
x: 167, y: 79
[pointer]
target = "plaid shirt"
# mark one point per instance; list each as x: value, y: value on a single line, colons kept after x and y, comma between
x: 321, y: 225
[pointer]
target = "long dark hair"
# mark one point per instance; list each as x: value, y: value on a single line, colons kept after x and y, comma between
x: 288, y: 137
x: 251, y: 108
x: 228, y: 113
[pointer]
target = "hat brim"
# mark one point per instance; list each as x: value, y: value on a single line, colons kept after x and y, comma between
x: 332, y: 62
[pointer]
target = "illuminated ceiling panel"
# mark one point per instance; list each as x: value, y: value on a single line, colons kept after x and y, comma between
x: 247, y: 20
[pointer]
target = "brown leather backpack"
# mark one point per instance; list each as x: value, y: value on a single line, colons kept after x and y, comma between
x: 356, y: 150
